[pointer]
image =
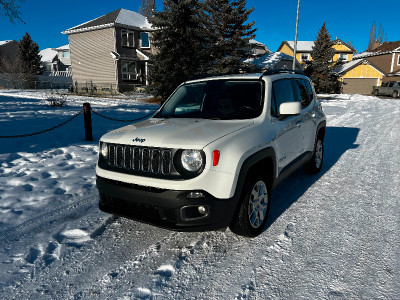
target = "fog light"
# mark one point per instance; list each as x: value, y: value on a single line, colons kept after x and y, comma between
x: 195, y: 195
x: 202, y: 210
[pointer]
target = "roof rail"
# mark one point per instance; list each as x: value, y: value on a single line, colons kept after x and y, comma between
x: 279, y: 71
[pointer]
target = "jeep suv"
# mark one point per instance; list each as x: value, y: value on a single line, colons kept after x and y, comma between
x: 212, y: 153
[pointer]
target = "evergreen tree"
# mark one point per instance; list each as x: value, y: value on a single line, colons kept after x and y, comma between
x: 148, y: 8
x: 28, y: 52
x: 320, y: 68
x: 228, y: 35
x: 180, y: 42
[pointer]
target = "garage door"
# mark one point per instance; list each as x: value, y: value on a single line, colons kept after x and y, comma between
x: 358, y: 85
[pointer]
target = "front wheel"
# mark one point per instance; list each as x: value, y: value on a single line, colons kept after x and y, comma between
x: 253, y: 212
x: 314, y: 165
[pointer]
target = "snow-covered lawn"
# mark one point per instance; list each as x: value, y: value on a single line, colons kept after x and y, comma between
x: 330, y: 236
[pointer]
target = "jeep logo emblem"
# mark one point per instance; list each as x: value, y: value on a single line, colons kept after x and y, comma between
x: 138, y: 140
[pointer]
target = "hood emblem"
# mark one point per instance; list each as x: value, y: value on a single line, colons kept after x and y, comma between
x: 139, y: 140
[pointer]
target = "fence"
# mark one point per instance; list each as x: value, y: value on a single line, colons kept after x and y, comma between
x: 87, y: 120
x: 112, y: 89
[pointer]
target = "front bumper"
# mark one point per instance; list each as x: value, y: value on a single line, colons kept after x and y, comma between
x: 169, y: 209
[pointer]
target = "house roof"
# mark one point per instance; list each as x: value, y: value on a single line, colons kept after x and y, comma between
x: 346, y: 67
x: 62, y: 48
x: 388, y: 47
x: 254, y: 42
x: 6, y: 42
x: 385, y: 48
x: 48, y: 55
x: 120, y: 16
x: 270, y: 60
x: 306, y: 46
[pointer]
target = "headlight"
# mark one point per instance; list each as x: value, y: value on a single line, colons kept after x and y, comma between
x: 192, y: 160
x: 104, y: 150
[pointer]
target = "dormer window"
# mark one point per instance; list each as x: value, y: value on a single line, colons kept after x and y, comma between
x: 398, y: 60
x: 144, y: 40
x: 127, y: 38
x: 305, y: 57
x: 343, y: 56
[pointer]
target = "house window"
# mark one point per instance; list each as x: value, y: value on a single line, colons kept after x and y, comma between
x: 398, y: 60
x: 305, y: 57
x: 343, y: 56
x: 127, y: 38
x: 129, y: 70
x: 145, y: 41
x: 66, y: 54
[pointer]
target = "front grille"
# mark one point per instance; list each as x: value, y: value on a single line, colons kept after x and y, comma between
x: 139, y: 159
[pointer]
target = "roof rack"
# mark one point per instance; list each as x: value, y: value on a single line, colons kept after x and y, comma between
x: 279, y: 71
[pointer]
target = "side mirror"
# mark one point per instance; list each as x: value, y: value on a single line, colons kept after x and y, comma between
x: 287, y: 109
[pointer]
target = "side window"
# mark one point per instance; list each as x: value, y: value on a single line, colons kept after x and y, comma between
x: 303, y: 92
x: 390, y: 84
x: 282, y: 91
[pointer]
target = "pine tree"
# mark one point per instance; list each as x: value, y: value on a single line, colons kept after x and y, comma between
x: 228, y: 35
x: 180, y: 42
x: 320, y: 68
x: 148, y: 8
x: 28, y: 52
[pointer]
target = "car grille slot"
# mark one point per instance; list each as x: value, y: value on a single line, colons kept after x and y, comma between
x: 140, y: 159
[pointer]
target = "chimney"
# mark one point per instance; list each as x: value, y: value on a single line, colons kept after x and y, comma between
x: 374, y: 46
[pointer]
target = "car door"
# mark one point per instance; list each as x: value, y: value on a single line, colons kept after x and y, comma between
x: 287, y: 137
x: 304, y: 93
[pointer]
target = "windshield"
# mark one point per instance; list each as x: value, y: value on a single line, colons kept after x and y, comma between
x: 216, y: 99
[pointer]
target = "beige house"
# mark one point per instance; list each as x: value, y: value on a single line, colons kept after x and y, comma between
x: 111, y: 51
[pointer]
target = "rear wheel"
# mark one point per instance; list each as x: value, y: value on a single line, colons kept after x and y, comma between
x: 314, y: 165
x: 376, y: 92
x: 253, y: 212
x: 395, y: 94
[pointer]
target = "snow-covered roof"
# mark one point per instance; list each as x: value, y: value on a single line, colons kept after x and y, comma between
x: 62, y: 48
x: 47, y: 55
x: 120, y: 16
x: 352, y: 64
x: 270, y: 60
x: 302, y: 45
x: 6, y: 42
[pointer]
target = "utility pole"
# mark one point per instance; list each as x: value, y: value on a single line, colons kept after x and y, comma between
x: 295, y: 37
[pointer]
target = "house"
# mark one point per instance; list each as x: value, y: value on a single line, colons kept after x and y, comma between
x: 64, y: 60
x: 367, y: 69
x: 343, y: 51
x: 111, y: 51
x: 56, y: 61
x: 276, y: 60
x: 8, y: 49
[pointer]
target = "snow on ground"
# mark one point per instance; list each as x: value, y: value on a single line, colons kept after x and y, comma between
x: 329, y: 236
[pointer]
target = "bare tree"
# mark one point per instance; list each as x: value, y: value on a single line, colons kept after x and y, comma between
x: 148, y: 8
x: 10, y: 9
x: 376, y: 37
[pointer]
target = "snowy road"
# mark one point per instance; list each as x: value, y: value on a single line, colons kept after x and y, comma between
x: 330, y: 236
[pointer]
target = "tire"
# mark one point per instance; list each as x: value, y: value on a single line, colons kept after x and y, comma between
x: 254, y: 208
x: 314, y: 165
x: 395, y: 94
x: 376, y: 92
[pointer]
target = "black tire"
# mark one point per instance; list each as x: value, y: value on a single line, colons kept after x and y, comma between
x: 376, y: 92
x: 395, y: 94
x: 254, y: 208
x: 314, y: 165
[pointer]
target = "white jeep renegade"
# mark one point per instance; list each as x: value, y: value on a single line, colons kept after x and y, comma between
x: 210, y: 156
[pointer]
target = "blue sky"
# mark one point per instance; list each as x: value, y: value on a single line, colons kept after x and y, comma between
x: 275, y: 20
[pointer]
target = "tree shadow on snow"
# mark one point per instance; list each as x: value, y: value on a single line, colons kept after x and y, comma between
x: 338, y: 140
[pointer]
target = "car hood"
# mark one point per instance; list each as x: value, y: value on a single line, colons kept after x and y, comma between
x: 175, y: 133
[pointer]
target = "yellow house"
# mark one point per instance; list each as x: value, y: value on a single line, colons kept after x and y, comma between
x: 359, y: 76
x: 343, y: 52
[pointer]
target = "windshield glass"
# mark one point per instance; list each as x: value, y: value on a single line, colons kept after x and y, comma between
x: 216, y: 99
